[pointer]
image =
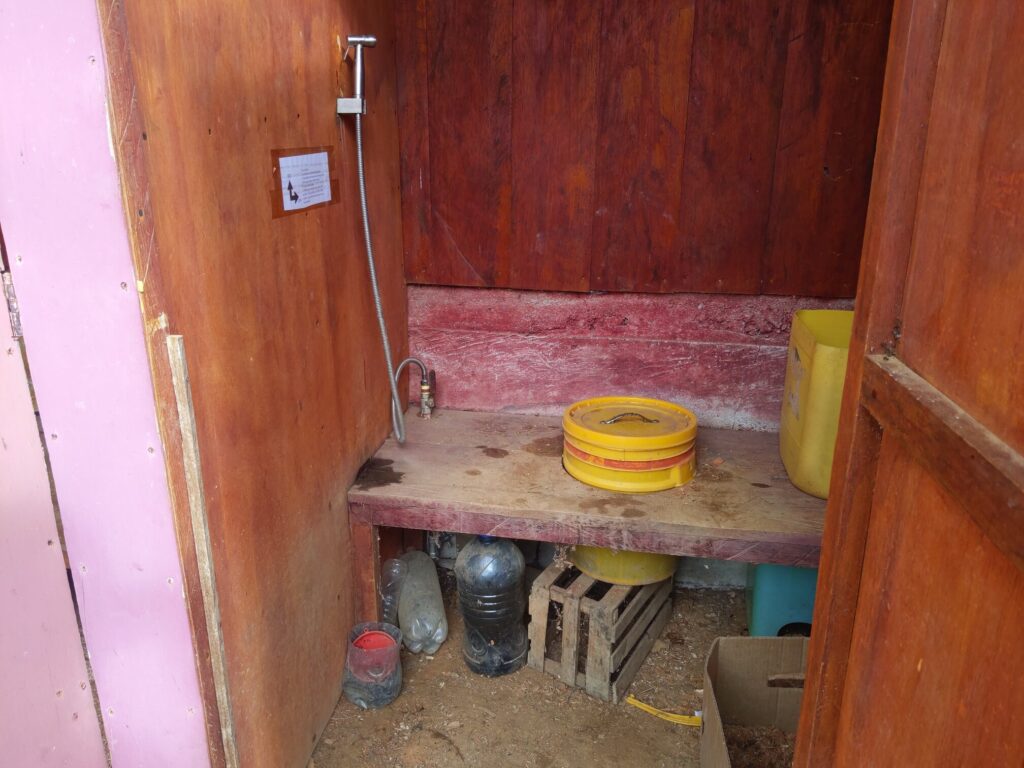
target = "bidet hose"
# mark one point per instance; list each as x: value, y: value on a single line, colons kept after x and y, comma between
x: 397, y: 415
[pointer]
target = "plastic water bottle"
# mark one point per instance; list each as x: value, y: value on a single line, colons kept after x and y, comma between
x: 420, y: 606
x: 492, y: 598
x: 393, y: 573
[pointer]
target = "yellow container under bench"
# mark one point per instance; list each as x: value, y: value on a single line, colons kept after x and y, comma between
x: 819, y: 345
x: 620, y: 567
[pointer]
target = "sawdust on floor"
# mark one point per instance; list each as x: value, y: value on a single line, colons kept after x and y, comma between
x: 448, y: 716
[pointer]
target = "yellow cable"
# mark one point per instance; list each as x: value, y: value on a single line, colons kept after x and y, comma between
x: 691, y: 720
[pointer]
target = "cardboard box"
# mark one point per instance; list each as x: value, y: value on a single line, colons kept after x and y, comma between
x: 736, y: 690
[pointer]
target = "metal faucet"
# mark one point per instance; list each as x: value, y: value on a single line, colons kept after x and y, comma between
x: 428, y: 385
x: 356, y: 105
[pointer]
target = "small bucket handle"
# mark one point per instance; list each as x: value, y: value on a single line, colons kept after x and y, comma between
x: 630, y: 414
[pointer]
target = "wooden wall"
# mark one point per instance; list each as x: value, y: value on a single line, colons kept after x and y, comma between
x: 626, y: 145
x: 724, y: 357
x: 286, y: 369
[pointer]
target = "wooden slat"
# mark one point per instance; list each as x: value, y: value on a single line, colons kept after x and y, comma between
x: 641, y: 132
x: 614, y: 598
x: 736, y: 80
x: 539, y: 602
x: 413, y: 63
x: 201, y: 542
x: 470, y: 128
x: 639, y: 654
x: 549, y: 577
x: 653, y: 602
x: 555, y: 47
x: 571, y: 626
x: 599, y: 647
x: 554, y: 668
x: 365, y: 543
x: 834, y: 72
x: 962, y: 454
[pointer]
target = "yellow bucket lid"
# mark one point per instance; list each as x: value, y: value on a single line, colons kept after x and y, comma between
x: 630, y: 423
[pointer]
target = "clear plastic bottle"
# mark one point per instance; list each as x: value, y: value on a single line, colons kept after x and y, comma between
x: 392, y: 574
x: 421, y: 607
x: 373, y: 666
x: 492, y: 598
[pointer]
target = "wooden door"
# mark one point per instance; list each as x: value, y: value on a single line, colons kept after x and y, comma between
x: 917, y: 656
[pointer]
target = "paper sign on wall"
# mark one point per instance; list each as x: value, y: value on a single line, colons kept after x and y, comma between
x: 305, y: 180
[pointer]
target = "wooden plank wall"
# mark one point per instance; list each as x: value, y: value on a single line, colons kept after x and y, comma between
x: 533, y: 352
x: 287, y: 375
x: 665, y: 146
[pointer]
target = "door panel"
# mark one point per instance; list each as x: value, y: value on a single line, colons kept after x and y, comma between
x: 917, y: 656
x: 966, y: 266
x: 937, y: 633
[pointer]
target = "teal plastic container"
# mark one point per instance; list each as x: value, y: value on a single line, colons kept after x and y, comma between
x: 778, y: 597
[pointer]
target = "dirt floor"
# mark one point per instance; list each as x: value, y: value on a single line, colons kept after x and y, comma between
x: 448, y: 716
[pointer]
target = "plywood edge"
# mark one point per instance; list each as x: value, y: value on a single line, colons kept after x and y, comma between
x: 203, y: 547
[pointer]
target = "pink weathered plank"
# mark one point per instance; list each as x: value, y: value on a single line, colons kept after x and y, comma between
x: 501, y: 474
x: 46, y: 709
x: 65, y: 233
x: 665, y: 317
x: 533, y: 352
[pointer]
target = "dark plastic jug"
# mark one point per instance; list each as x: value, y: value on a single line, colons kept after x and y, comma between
x: 492, y: 599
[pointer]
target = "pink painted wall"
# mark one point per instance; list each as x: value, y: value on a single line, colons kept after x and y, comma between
x: 62, y: 218
x: 536, y: 352
x: 47, y: 717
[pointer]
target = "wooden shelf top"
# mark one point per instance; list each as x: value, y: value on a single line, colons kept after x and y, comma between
x: 502, y: 474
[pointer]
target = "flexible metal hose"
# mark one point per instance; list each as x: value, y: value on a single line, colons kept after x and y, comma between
x: 397, y: 414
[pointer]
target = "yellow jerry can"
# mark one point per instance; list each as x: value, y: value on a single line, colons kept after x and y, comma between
x: 819, y: 345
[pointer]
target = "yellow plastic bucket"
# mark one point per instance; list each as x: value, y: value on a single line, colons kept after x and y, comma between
x: 628, y: 568
x: 629, y: 444
x: 818, y: 349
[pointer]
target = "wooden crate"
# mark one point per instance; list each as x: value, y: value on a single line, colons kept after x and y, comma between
x: 593, y: 635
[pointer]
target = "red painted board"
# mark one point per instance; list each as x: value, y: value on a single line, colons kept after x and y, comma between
x: 537, y: 352
x: 556, y: 47
x: 470, y: 130
x: 736, y: 81
x: 834, y: 70
x: 640, y: 206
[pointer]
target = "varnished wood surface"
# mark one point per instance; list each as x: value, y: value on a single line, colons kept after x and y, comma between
x: 828, y: 121
x: 673, y: 145
x: 938, y: 630
x: 962, y: 327
x: 288, y: 380
x: 965, y: 457
x: 502, y: 474
x: 921, y: 596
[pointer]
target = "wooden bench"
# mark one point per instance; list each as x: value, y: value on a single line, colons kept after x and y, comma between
x: 501, y: 474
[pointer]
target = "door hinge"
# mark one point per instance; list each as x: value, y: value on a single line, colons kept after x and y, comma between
x: 12, y: 304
